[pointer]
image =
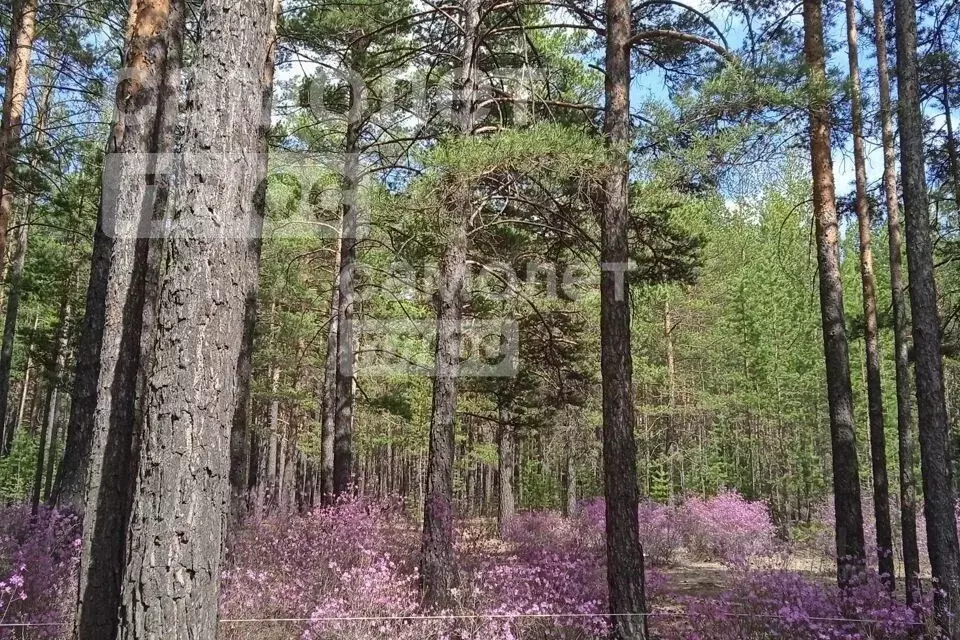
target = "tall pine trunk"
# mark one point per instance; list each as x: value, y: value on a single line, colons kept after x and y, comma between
x: 142, y: 127
x: 346, y: 285
x: 878, y: 446
x: 438, y: 572
x: 178, y: 526
x: 939, y: 499
x: 625, y: 570
x: 851, y: 557
x: 905, y: 435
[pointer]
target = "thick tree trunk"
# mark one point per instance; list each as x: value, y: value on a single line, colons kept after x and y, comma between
x: 23, y: 30
x: 878, y: 446
x: 9, y: 335
x: 851, y: 559
x: 625, y: 570
x: 905, y: 435
x: 939, y: 499
x: 145, y: 111
x: 70, y: 486
x: 438, y: 572
x: 181, y: 499
x: 505, y: 469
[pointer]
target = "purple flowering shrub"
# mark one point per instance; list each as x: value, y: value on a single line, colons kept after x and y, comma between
x: 342, y: 559
x: 727, y: 528
x: 659, y: 529
x: 781, y: 604
x: 349, y: 572
x: 39, y: 557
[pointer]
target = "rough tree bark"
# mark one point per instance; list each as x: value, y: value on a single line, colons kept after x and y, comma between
x: 142, y: 127
x: 851, y: 559
x: 181, y: 499
x: 438, y: 572
x: 23, y: 25
x: 901, y: 328
x: 878, y: 446
x: 625, y: 570
x: 936, y: 474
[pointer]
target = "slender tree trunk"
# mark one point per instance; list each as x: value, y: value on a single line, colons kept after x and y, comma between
x: 878, y: 446
x: 273, y: 451
x: 952, y: 156
x: 625, y: 570
x: 27, y: 372
x: 9, y: 335
x: 438, y: 572
x: 905, y: 435
x: 328, y: 419
x: 181, y: 497
x: 939, y: 499
x: 672, y: 447
x: 570, y: 484
x: 851, y: 559
x: 505, y: 469
x: 41, y: 459
x: 59, y: 363
x: 53, y: 449
x: 47, y: 432
x: 16, y: 280
x: 142, y: 127
x: 23, y: 30
x: 240, y: 440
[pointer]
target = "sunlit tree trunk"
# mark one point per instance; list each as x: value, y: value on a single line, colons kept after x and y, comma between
x: 102, y: 425
x: 878, y: 447
x: 851, y: 558
x: 23, y: 25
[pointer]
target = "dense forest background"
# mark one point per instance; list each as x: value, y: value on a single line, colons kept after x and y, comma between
x: 433, y: 166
